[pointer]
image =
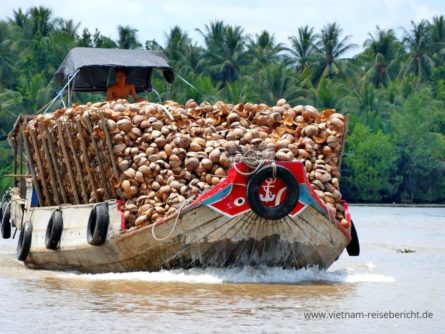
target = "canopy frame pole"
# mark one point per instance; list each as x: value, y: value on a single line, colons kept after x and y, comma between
x: 60, y: 93
x: 68, y: 97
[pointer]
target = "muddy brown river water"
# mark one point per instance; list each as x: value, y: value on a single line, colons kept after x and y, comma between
x: 382, y: 291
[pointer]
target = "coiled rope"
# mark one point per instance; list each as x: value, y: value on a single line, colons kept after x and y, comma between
x: 254, y: 161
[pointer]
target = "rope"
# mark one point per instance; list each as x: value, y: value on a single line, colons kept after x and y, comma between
x: 174, y: 225
x: 274, y: 169
x: 252, y: 160
x: 188, y: 83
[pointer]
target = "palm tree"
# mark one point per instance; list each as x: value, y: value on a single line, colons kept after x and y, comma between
x: 302, y: 48
x: 213, y: 34
x: 417, y: 42
x: 437, y: 32
x: 67, y: 26
x: 276, y: 81
x: 225, y: 52
x: 192, y: 60
x: 127, y: 38
x: 10, y: 103
x: 6, y: 55
x: 40, y: 20
x: 437, y: 28
x: 372, y: 106
x: 62, y: 40
x: 381, y: 55
x: 101, y: 41
x: 177, y: 44
x: 263, y: 50
x: 329, y: 49
x: 19, y: 18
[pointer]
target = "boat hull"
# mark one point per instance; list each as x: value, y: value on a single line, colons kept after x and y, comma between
x: 219, y: 228
x: 201, y: 237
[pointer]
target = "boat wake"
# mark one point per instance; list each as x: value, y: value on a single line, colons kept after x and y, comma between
x: 246, y: 275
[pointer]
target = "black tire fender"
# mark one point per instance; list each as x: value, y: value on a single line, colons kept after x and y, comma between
x: 24, y: 243
x: 98, y: 224
x: 5, y: 220
x: 281, y: 210
x: 54, y: 230
x: 353, y: 248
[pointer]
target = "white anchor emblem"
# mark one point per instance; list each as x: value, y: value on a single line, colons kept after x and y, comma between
x: 269, y: 196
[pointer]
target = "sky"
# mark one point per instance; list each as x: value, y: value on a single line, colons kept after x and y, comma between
x: 153, y: 19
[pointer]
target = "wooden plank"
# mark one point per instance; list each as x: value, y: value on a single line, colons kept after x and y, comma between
x: 76, y: 163
x: 31, y: 167
x: 104, y: 126
x: 53, y: 154
x: 87, y: 163
x: 40, y: 167
x: 340, y: 155
x: 67, y: 162
x: 108, y: 193
x: 52, y: 176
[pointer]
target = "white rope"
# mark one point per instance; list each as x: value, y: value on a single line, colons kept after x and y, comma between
x: 251, y: 172
x: 174, y: 225
x: 252, y: 160
x: 188, y: 83
x: 274, y: 169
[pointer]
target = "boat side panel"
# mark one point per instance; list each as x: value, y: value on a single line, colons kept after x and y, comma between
x: 204, y: 238
x: 74, y: 235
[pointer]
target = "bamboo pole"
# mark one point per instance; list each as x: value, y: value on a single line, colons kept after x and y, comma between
x: 83, y: 147
x: 55, y: 164
x: 99, y: 157
x: 20, y: 153
x: 14, y: 163
x: 67, y: 162
x: 76, y: 163
x: 31, y: 168
x: 110, y: 149
x: 22, y: 183
x: 17, y: 175
x: 52, y: 177
x: 40, y: 167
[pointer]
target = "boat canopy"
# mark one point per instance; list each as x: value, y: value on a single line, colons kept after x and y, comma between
x: 92, y: 69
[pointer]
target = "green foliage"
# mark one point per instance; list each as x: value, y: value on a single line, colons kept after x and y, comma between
x: 393, y: 90
x: 420, y: 136
x: 5, y: 166
x: 371, y: 166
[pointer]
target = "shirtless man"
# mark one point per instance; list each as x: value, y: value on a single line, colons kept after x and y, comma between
x: 121, y: 89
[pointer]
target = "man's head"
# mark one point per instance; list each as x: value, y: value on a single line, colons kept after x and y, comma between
x: 121, y: 75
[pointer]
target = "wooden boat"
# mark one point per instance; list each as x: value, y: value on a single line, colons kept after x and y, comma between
x: 265, y: 216
x: 219, y: 228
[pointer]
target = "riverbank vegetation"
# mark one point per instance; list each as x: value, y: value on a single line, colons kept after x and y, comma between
x: 393, y: 88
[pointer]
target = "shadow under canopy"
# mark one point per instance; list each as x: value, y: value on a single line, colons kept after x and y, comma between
x: 93, y: 69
